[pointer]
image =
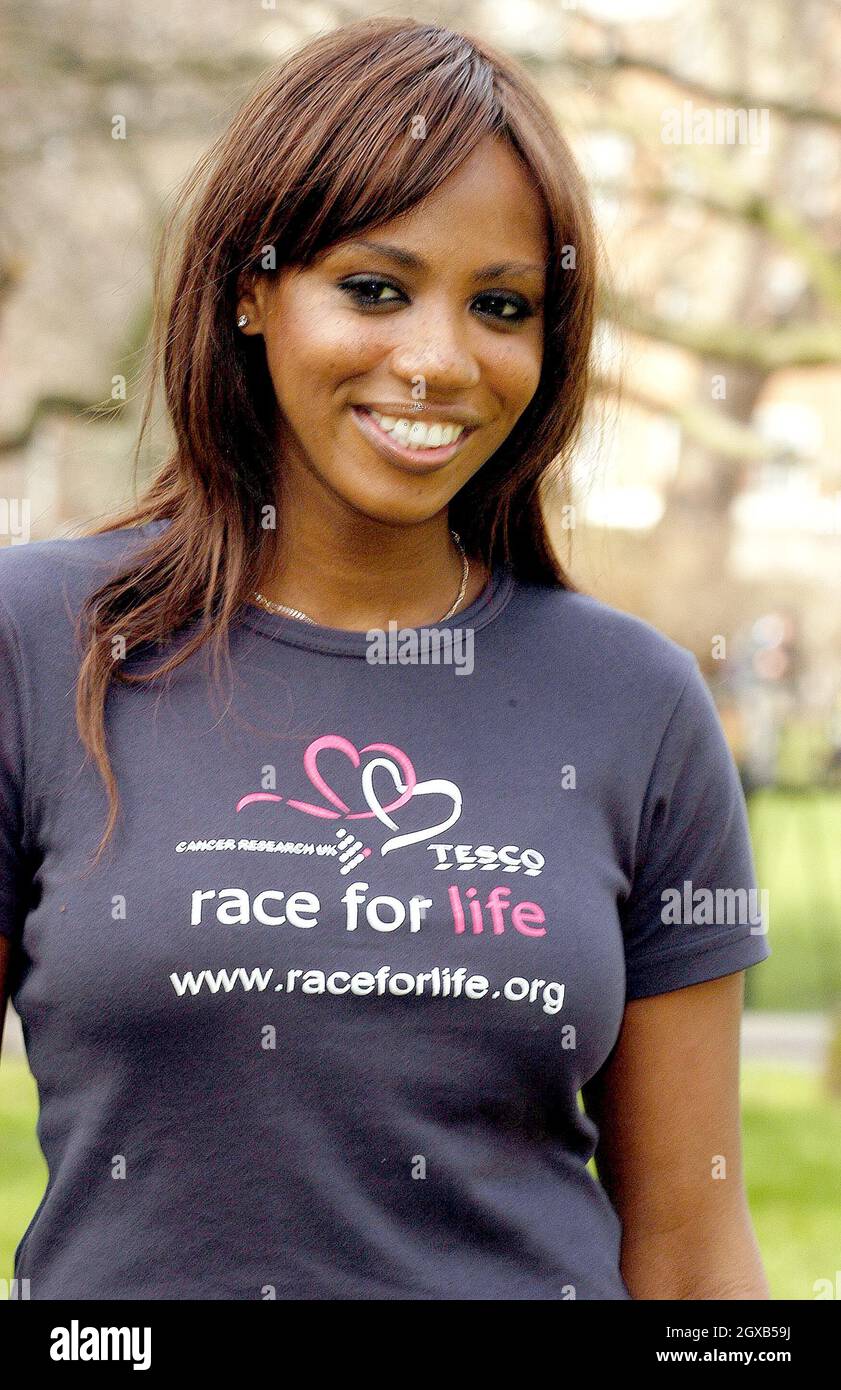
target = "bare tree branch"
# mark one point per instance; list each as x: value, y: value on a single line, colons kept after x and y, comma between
x: 781, y: 223
x: 720, y: 434
x: 616, y: 61
x: 94, y: 412
x: 769, y: 349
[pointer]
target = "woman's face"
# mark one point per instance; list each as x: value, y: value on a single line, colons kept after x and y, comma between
x: 441, y: 307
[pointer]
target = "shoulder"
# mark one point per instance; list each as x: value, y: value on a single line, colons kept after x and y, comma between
x: 605, y: 652
x: 45, y: 581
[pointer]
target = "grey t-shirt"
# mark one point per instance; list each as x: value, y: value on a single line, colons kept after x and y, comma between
x: 317, y: 1024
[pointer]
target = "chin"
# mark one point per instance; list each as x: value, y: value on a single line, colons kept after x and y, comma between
x: 407, y: 501
x: 397, y: 511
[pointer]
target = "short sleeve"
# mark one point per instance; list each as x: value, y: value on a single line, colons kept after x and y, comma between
x: 694, y: 911
x: 13, y: 870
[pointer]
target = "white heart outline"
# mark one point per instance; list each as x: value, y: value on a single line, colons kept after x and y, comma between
x: 440, y: 785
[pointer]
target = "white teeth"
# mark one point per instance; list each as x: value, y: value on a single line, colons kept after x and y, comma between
x: 417, y: 435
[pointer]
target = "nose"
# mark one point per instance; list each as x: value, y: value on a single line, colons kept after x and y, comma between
x: 433, y: 346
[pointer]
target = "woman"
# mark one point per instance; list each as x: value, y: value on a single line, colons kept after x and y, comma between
x: 310, y: 1015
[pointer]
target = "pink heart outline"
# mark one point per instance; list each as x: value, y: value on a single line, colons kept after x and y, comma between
x: 343, y: 745
x: 256, y: 796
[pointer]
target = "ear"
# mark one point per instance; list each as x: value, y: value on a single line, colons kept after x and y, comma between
x: 252, y: 300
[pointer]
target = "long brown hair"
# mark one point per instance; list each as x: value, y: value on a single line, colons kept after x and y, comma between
x: 324, y: 147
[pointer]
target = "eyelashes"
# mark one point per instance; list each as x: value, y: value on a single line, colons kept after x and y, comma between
x: 363, y: 290
x: 357, y: 286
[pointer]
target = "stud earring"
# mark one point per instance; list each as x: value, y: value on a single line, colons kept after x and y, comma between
x: 242, y: 320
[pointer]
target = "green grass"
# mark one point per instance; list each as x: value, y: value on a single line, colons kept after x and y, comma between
x: 792, y: 1135
x: 23, y: 1172
x: 792, y: 1145
x: 797, y: 847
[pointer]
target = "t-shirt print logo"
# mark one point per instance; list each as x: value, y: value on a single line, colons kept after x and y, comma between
x: 395, y: 763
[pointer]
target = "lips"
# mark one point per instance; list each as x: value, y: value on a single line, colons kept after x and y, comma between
x: 417, y: 459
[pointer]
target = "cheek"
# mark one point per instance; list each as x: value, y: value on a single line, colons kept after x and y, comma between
x: 514, y: 372
x: 315, y: 347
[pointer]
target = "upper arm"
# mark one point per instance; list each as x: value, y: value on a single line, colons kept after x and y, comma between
x: 666, y: 1103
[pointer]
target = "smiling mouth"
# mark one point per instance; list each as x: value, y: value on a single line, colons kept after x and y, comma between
x: 400, y: 442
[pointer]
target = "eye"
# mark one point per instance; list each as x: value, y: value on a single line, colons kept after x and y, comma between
x: 368, y: 292
x: 364, y: 289
x: 509, y: 307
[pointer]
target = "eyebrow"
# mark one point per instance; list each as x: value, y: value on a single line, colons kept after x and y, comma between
x: 410, y: 261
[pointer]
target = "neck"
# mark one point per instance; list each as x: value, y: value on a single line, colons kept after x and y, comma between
x: 350, y: 571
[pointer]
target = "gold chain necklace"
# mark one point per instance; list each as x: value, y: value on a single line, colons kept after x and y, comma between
x: 304, y: 618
